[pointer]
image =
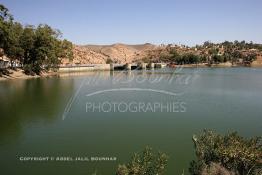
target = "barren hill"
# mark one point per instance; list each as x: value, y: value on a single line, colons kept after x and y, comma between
x: 118, y: 53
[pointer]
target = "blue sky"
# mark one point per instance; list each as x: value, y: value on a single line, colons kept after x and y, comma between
x: 139, y: 21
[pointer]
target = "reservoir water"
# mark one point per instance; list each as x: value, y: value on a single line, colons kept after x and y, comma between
x: 114, y: 114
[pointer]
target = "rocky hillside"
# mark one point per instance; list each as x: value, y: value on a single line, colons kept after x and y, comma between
x: 206, y: 53
x: 257, y: 62
x: 117, y: 53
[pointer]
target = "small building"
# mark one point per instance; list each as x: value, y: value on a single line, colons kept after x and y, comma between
x: 4, y: 63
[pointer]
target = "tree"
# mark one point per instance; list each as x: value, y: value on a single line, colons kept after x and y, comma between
x: 36, y: 48
x: 46, y: 49
x: 5, y: 19
x: 4, y: 14
x: 66, y: 50
x: 213, y: 51
x: 12, y: 45
x: 208, y: 44
x: 250, y: 57
x: 27, y: 43
x: 193, y: 58
x: 218, y: 58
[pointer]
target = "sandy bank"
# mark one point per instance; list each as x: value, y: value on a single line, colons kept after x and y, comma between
x: 19, y: 74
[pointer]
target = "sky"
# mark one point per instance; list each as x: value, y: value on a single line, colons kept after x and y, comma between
x: 187, y: 22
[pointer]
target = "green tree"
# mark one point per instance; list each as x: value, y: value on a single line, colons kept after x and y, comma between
x: 36, y: 48
x: 5, y: 18
x: 27, y: 43
x: 12, y: 45
x: 66, y: 50
x: 5, y: 14
x: 218, y: 58
x: 46, y: 49
x: 213, y: 51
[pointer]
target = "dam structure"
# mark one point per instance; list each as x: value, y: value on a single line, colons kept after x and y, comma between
x: 109, y: 67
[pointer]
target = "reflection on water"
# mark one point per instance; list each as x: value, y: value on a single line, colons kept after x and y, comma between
x: 31, y: 116
x: 28, y: 101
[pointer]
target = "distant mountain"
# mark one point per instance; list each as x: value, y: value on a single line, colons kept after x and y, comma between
x: 118, y: 53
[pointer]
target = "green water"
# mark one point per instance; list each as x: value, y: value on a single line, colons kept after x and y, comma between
x: 49, y: 116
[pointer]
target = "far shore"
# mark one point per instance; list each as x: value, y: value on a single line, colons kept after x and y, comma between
x: 220, y: 65
x: 19, y: 73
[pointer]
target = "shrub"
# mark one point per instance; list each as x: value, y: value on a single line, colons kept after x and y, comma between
x: 109, y: 61
x: 145, y: 163
x: 243, y: 156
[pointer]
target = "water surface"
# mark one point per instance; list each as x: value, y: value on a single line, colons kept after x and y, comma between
x: 48, y: 116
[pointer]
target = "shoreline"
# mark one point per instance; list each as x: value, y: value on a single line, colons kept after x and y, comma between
x: 220, y: 65
x: 19, y: 73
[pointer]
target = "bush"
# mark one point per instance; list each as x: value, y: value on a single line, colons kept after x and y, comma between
x: 29, y: 69
x: 109, y: 61
x: 216, y: 169
x: 235, y: 153
x: 145, y: 163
